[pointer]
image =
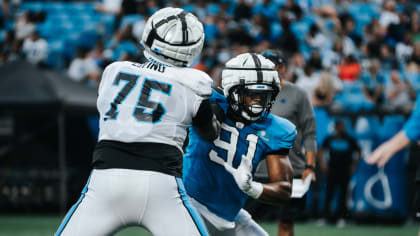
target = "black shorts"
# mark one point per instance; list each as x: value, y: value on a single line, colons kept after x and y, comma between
x: 289, y: 210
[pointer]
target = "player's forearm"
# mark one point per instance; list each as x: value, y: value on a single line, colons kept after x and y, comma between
x: 310, y: 158
x: 281, y: 175
x: 398, y: 142
x: 276, y: 192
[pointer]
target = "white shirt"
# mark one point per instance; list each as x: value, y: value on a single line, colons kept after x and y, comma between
x: 147, y: 103
x: 81, y: 67
x: 308, y: 83
x: 35, y: 51
x: 386, y: 18
x: 403, y: 51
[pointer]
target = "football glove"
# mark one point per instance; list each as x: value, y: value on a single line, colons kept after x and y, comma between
x: 243, y: 177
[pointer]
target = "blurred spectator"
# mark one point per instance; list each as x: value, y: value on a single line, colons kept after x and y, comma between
x: 348, y: 45
x: 350, y: 30
x: 363, y: 56
x: 415, y: 26
x: 293, y: 10
x: 341, y: 164
x: 324, y: 92
x: 374, y: 35
x: 315, y: 39
x: 416, y: 53
x: 373, y: 83
x: 398, y: 93
x: 25, y: 25
x: 404, y: 49
x: 35, y: 49
x: 315, y: 60
x: 332, y: 58
x: 308, y: 80
x: 242, y: 11
x: 138, y: 28
x: 97, y: 54
x: 387, y: 58
x: 260, y: 29
x: 122, y: 41
x: 388, y: 14
x: 9, y: 48
x: 287, y: 42
x: 109, y: 6
x: 412, y: 77
x: 84, y: 68
x: 350, y: 69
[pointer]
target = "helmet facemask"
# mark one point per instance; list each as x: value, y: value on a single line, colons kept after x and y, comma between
x: 252, y: 102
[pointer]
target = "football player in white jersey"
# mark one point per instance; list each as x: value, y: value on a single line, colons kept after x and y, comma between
x: 145, y: 110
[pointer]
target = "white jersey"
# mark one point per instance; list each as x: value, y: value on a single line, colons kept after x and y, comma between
x: 149, y: 102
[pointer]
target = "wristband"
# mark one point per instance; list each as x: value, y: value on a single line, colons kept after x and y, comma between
x: 255, y: 190
x: 310, y: 167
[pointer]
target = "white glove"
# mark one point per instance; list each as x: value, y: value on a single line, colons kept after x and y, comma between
x: 243, y: 178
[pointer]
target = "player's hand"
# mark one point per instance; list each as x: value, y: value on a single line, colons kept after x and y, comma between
x: 243, y: 177
x: 381, y: 155
x: 308, y: 171
x: 242, y: 174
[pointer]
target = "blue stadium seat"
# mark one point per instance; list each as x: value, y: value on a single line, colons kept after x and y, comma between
x: 55, y: 53
x: 211, y: 31
x: 212, y: 9
x: 275, y: 31
x: 300, y: 29
x: 322, y: 120
x: 390, y: 126
x: 189, y: 7
x: 130, y: 19
x: 33, y: 6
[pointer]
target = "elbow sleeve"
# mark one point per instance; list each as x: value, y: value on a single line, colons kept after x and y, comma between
x: 206, y: 123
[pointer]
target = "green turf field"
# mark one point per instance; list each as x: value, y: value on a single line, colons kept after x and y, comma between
x: 46, y: 225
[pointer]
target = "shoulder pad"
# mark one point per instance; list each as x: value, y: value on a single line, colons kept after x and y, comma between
x: 279, y: 133
x: 196, y: 80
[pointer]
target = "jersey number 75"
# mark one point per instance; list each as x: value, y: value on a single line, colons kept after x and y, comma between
x: 143, y: 101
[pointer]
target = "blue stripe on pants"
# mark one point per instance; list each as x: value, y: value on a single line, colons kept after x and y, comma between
x: 72, y: 210
x: 191, y: 210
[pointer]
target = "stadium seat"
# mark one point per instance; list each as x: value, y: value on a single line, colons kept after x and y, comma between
x: 322, y: 120
x: 130, y: 19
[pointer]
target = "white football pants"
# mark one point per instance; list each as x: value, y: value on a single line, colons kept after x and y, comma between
x: 116, y: 198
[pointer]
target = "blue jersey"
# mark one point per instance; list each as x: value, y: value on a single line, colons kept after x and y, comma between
x: 204, y: 175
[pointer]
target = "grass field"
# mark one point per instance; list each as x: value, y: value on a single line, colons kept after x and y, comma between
x: 47, y: 225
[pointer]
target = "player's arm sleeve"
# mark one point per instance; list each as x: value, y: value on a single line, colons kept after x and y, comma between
x: 412, y: 126
x: 306, y: 122
x: 205, y: 122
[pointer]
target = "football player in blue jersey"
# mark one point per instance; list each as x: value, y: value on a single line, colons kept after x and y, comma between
x: 218, y: 175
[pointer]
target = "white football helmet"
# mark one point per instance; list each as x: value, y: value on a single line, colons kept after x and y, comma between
x: 250, y: 75
x: 173, y: 36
